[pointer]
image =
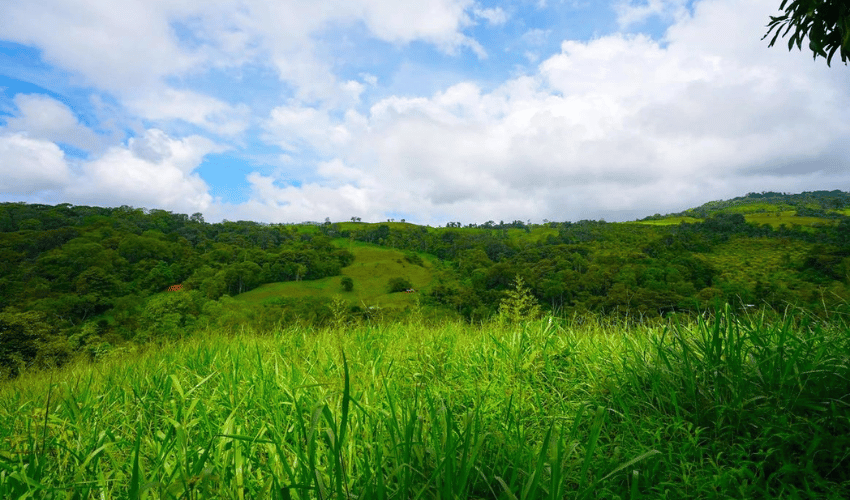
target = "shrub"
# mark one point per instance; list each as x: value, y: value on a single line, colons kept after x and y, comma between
x: 519, y: 304
x: 347, y: 283
x: 26, y: 340
x: 400, y: 285
x: 414, y: 259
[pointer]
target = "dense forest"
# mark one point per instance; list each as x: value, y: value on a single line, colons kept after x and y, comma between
x: 79, y: 279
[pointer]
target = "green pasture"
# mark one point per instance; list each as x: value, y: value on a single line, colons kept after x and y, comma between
x: 537, y: 233
x: 669, y: 221
x: 371, y: 271
x: 775, y: 218
x: 789, y: 218
x: 752, y: 208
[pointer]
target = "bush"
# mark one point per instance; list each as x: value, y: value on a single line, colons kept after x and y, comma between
x: 26, y: 340
x: 414, y: 259
x: 347, y: 283
x: 400, y: 285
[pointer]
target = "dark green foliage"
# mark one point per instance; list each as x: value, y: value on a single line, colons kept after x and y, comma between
x: 347, y: 283
x: 77, y: 264
x: 399, y: 285
x: 768, y: 394
x: 824, y: 264
x: 27, y: 340
x: 413, y: 258
x: 170, y: 315
x: 826, y: 23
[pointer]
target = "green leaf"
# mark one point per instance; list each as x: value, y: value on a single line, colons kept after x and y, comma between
x: 136, y: 477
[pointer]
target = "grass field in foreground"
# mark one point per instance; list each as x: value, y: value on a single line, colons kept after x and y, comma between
x: 729, y: 409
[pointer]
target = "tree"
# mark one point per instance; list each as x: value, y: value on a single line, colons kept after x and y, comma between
x: 347, y: 283
x: 825, y: 22
x: 170, y: 314
x: 27, y: 339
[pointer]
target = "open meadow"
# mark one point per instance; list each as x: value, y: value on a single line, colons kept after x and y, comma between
x: 732, y: 407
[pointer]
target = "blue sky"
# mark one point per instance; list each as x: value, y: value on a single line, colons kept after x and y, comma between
x: 433, y: 111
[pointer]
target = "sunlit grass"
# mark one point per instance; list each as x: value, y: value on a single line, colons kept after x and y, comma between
x: 788, y: 218
x: 371, y: 271
x: 756, y: 214
x: 669, y: 221
x: 588, y: 408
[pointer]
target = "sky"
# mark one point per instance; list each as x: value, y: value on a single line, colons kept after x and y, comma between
x: 425, y: 110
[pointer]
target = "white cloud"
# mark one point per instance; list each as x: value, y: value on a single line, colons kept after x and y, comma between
x: 337, y: 170
x: 206, y: 112
x: 369, y: 79
x: 30, y: 166
x: 435, y: 21
x: 619, y: 126
x: 624, y: 122
x: 129, y: 49
x: 495, y: 17
x: 631, y: 12
x: 153, y: 170
x: 309, y: 202
x: 133, y: 49
x: 535, y: 36
x: 113, y: 46
x: 296, y: 126
x: 43, y: 117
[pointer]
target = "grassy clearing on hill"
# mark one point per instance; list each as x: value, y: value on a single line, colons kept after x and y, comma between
x: 789, y: 218
x: 668, y: 221
x: 752, y: 208
x: 775, y: 218
x: 733, y: 408
x: 371, y: 271
x: 537, y: 233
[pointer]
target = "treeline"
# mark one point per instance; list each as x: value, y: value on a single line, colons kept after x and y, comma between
x: 61, y: 266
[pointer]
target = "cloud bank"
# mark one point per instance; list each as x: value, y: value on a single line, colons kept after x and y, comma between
x: 617, y: 126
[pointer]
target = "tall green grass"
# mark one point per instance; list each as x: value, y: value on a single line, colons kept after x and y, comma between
x: 731, y: 407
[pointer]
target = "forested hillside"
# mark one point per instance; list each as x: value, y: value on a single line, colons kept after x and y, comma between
x: 77, y: 279
x: 628, y: 268
x: 824, y: 204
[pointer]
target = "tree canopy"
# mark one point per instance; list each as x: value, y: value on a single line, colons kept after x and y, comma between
x: 826, y: 23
